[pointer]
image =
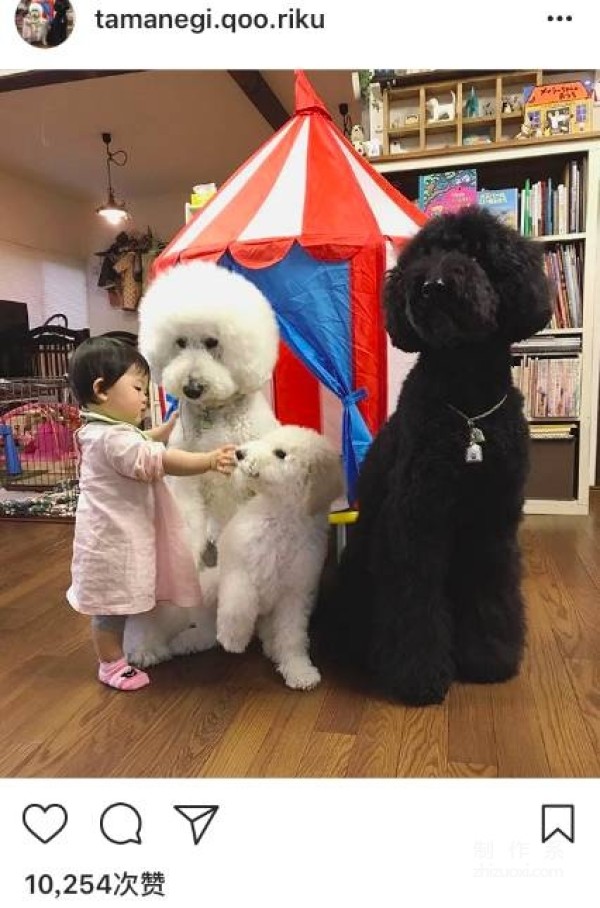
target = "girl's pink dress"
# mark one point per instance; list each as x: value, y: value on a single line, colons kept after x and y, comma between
x: 130, y: 549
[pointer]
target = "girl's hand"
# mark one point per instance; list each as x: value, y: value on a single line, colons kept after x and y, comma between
x: 163, y: 433
x: 223, y: 459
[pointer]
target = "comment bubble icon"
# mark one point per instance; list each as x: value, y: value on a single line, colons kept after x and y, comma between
x: 121, y: 824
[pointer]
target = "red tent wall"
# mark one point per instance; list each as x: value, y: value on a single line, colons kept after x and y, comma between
x: 369, y: 346
x: 296, y: 397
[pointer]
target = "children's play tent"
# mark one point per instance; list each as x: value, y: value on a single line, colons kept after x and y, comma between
x: 310, y: 222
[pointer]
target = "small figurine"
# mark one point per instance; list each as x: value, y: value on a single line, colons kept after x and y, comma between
x: 488, y: 109
x: 372, y: 148
x: 472, y: 105
x: 411, y: 120
x: 357, y: 137
x: 526, y: 131
x: 477, y: 140
x: 437, y: 111
x: 507, y: 106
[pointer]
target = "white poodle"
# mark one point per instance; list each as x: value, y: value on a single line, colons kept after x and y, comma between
x: 35, y: 25
x: 211, y: 340
x: 272, y: 551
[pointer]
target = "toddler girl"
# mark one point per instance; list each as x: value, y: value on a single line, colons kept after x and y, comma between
x: 130, y: 548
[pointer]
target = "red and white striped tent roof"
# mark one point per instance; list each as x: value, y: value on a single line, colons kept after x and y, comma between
x: 307, y: 185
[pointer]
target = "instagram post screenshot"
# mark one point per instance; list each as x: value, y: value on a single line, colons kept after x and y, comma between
x: 299, y: 453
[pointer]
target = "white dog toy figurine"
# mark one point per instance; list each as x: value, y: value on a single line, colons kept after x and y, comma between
x: 357, y: 137
x: 211, y: 340
x: 372, y: 148
x: 271, y: 553
x: 526, y: 131
x: 437, y: 111
x: 35, y: 25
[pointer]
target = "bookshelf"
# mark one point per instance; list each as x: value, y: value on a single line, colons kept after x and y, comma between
x: 563, y: 447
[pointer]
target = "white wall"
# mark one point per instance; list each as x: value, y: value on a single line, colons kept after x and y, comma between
x: 165, y: 214
x: 42, y: 250
x: 47, y: 246
x: 35, y: 216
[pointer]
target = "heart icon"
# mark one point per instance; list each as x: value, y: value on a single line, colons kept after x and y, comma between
x: 45, y: 823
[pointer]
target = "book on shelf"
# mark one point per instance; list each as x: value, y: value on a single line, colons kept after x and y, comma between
x: 564, y: 268
x: 502, y: 203
x: 549, y: 209
x: 555, y: 431
x: 537, y: 209
x: 550, y: 386
x: 550, y: 345
x: 543, y: 208
x: 443, y: 193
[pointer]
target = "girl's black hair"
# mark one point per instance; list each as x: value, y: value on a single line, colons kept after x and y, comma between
x: 102, y: 357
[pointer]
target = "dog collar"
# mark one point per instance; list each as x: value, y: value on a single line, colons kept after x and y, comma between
x: 474, y: 452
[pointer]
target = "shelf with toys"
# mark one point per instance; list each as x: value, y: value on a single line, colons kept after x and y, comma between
x: 477, y: 110
x: 549, y: 191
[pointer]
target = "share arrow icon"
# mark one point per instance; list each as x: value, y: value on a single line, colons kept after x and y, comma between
x: 199, y: 818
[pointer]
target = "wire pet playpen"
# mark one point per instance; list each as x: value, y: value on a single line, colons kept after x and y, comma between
x: 38, y: 420
x: 38, y: 457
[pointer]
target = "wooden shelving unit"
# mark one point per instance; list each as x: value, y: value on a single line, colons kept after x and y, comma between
x: 411, y: 129
x: 400, y: 104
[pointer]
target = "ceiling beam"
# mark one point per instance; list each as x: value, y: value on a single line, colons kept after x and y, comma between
x: 261, y: 95
x: 37, y: 78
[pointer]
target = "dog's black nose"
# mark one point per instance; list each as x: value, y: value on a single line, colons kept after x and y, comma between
x: 430, y: 288
x: 240, y: 454
x: 193, y: 390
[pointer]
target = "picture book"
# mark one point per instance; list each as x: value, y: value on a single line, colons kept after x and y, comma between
x: 441, y: 193
x: 503, y: 203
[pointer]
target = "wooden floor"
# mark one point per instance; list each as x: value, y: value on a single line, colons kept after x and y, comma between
x: 216, y: 714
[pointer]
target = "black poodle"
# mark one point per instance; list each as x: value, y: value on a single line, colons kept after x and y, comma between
x: 58, y: 31
x: 428, y: 588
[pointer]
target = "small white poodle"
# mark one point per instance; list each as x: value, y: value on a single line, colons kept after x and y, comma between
x: 211, y: 339
x: 272, y: 551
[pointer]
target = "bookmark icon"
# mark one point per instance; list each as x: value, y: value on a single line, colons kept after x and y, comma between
x: 558, y: 819
x: 199, y: 817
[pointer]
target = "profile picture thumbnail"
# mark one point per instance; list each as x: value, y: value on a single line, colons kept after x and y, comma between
x: 44, y: 23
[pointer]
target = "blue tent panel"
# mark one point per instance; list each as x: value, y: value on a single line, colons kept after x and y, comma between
x: 311, y: 300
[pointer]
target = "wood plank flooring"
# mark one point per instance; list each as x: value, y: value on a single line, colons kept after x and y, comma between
x: 222, y: 715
